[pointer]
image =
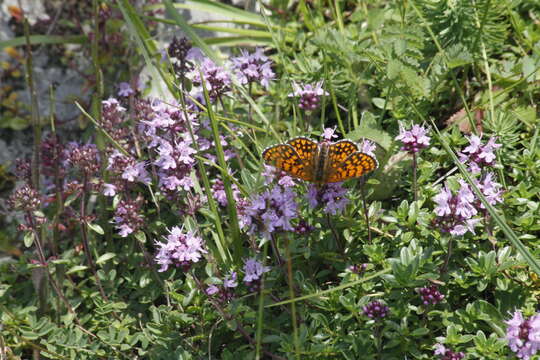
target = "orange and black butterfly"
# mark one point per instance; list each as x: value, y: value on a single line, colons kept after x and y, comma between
x: 321, y: 163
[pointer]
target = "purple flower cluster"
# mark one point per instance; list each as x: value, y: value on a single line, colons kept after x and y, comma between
x: 333, y: 196
x: 358, y: 268
x: 254, y: 67
x: 84, y: 157
x: 218, y: 191
x: 128, y: 169
x: 225, y: 292
x: 24, y: 199
x: 253, y: 272
x: 217, y: 79
x: 375, y: 310
x: 414, y: 139
x: 269, y: 212
x: 456, y: 212
x: 309, y: 95
x: 430, y: 295
x: 181, y: 250
x: 181, y: 54
x: 303, y: 227
x: 478, y: 156
x: 127, y: 216
x: 167, y: 132
x: 114, y: 120
x: 447, y: 354
x: 523, y: 335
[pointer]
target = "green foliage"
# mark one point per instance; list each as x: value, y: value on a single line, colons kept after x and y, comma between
x: 382, y: 68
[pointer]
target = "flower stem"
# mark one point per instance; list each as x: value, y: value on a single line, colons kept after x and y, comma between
x: 444, y: 268
x: 366, y: 210
x: 415, y: 184
x: 84, y: 236
x: 260, y: 314
x: 292, y: 296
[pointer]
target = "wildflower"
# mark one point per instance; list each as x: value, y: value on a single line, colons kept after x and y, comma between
x: 478, y: 155
x: 523, y: 335
x: 25, y: 198
x: 212, y: 290
x: 113, y: 120
x: 51, y: 156
x: 358, y: 269
x: 455, y: 212
x: 217, y: 79
x: 269, y: 212
x: 181, y: 249
x: 413, y: 140
x: 430, y: 295
x: 127, y: 217
x: 490, y: 189
x: 368, y: 147
x: 333, y: 196
x: 253, y: 67
x: 84, y: 157
x: 309, y: 95
x: 219, y: 193
x: 178, y: 52
x: 303, y: 228
x: 109, y: 190
x: 253, y: 271
x: 125, y: 89
x: 230, y: 281
x: 328, y: 133
x: 375, y: 310
x: 447, y: 354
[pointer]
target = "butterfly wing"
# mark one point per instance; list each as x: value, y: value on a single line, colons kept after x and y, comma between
x: 355, y: 165
x: 305, y: 148
x: 340, y: 150
x: 286, y: 158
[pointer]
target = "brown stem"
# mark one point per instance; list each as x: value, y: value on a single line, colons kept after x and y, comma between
x: 84, y: 235
x: 43, y: 261
x: 444, y: 268
x: 366, y: 210
x: 239, y: 327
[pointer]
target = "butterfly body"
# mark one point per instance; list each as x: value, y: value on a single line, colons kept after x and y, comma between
x: 321, y: 163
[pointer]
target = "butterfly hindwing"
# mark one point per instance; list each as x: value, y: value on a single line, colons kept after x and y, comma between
x: 340, y: 150
x: 355, y: 165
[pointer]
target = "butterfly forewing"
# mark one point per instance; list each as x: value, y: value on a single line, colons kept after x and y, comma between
x: 355, y: 165
x: 286, y: 158
x: 305, y: 148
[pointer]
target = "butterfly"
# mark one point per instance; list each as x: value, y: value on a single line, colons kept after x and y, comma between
x: 321, y: 163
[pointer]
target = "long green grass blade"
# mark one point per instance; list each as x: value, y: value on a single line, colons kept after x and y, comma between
x: 328, y: 291
x: 146, y: 44
x: 231, y: 203
x: 45, y: 39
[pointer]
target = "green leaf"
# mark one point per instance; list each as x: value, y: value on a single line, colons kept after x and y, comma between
x: 103, y: 258
x: 140, y: 236
x: 96, y: 228
x: 77, y: 268
x: 29, y: 239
